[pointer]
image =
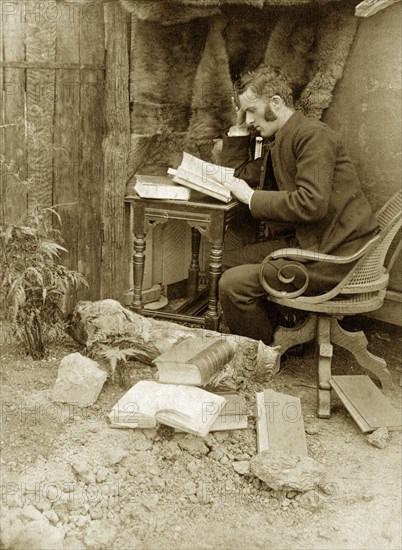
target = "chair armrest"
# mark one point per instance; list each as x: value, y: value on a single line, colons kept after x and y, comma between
x: 296, y: 255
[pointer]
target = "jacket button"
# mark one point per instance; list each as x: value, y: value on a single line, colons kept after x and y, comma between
x: 262, y: 168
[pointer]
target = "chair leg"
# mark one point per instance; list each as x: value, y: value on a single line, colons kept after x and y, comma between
x: 324, y: 367
x: 356, y: 343
x: 286, y: 338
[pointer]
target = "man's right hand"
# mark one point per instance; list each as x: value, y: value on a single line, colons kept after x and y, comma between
x: 241, y: 128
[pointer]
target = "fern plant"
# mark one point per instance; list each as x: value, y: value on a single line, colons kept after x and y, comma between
x: 34, y: 286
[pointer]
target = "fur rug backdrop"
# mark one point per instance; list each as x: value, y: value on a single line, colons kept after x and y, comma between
x: 185, y: 55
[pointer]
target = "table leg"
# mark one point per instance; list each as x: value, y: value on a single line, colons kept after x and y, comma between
x: 138, y: 270
x: 212, y: 317
x: 193, y: 272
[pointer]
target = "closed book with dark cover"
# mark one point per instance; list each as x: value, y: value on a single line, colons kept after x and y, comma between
x: 194, y: 361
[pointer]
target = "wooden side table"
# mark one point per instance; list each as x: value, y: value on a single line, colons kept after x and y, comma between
x: 205, y: 216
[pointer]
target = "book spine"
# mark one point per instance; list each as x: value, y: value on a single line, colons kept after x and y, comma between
x: 213, y: 359
x: 162, y: 192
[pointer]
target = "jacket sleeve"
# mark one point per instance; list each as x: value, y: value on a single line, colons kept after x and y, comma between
x: 308, y: 198
x: 235, y: 154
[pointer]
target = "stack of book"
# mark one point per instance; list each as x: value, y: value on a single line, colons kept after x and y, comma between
x: 175, y: 400
x: 195, y: 362
x: 192, y: 174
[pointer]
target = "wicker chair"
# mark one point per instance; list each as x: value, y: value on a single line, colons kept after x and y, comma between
x: 362, y: 290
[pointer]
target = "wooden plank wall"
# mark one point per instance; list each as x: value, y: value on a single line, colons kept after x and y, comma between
x: 64, y: 128
x: 13, y: 169
x: 115, y: 148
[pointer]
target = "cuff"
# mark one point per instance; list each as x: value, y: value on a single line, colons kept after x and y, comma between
x: 234, y: 131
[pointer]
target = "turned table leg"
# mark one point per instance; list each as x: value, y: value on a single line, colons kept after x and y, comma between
x: 215, y: 269
x: 193, y: 272
x: 138, y: 270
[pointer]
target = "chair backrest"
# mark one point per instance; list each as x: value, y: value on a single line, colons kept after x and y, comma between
x: 370, y: 269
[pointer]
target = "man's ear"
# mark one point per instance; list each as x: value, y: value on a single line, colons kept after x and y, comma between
x: 276, y: 102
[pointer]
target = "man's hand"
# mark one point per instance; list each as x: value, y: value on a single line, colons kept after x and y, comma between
x: 239, y: 188
x: 241, y: 128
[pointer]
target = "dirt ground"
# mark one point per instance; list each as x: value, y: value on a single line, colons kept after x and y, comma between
x: 69, y: 481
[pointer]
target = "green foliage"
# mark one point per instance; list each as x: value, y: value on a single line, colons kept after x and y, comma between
x: 34, y: 286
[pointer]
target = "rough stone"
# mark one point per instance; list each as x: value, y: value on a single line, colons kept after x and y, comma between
x: 192, y: 444
x: 379, y: 438
x: 190, y: 488
x: 171, y: 450
x: 242, y: 467
x: 204, y: 495
x: 281, y: 471
x: 114, y: 455
x: 193, y: 467
x: 79, y: 381
x: 51, y: 516
x: 83, y: 472
x: 30, y: 513
x: 143, y: 445
x: 72, y: 543
x: 312, y: 500
x: 312, y: 429
x: 150, y: 502
x: 38, y: 535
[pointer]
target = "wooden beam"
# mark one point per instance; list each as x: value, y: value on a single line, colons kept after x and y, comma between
x: 46, y: 65
x: 13, y: 170
x: 92, y: 94
x: 40, y: 44
x: 116, y: 145
x: 66, y: 133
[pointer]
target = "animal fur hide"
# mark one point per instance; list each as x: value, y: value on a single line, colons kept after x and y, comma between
x: 170, y: 12
x: 182, y: 70
x: 110, y: 331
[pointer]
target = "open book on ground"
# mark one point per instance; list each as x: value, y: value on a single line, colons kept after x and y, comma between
x: 160, y: 187
x: 204, y: 177
x: 194, y: 361
x: 232, y: 415
x: 187, y: 408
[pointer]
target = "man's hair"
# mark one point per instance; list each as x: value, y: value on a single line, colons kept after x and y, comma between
x: 265, y: 82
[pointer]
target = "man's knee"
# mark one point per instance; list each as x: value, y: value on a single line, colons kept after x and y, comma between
x: 226, y: 282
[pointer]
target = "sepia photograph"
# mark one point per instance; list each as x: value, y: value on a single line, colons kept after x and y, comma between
x: 200, y: 274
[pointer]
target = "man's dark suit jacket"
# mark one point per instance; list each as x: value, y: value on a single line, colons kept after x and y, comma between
x: 318, y: 191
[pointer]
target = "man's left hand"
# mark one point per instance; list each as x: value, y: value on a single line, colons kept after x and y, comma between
x: 239, y: 188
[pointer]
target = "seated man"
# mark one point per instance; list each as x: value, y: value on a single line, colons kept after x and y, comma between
x: 305, y: 183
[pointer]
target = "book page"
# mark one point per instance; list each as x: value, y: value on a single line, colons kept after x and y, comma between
x: 187, y: 407
x: 207, y: 170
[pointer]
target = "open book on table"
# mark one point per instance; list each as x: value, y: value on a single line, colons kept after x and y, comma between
x: 203, y: 176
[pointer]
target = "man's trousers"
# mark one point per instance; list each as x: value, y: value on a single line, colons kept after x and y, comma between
x: 243, y: 299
